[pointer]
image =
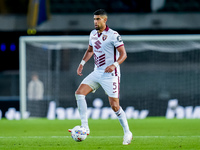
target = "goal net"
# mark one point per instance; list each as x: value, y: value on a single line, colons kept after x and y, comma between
x: 158, y: 68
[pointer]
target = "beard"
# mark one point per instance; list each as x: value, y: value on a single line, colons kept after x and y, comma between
x: 97, y: 28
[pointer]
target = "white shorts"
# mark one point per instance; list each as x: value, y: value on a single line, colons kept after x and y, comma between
x: 109, y: 82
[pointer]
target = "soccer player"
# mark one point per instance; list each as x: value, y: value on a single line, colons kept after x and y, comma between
x: 108, y: 50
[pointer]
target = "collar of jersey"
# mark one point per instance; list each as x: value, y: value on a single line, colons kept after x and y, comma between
x: 106, y: 29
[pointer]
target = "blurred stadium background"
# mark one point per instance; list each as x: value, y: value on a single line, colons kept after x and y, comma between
x: 157, y: 77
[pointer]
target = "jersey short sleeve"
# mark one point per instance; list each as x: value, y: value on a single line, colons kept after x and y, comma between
x: 117, y: 40
x: 90, y: 39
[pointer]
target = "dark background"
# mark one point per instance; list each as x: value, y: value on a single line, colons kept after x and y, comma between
x: 9, y: 57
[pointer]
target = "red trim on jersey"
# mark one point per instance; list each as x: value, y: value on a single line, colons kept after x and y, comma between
x: 115, y: 58
x: 99, y: 34
x: 107, y: 28
x: 118, y: 87
x: 120, y: 46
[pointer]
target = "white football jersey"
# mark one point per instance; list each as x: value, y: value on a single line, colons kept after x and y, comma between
x: 105, y: 46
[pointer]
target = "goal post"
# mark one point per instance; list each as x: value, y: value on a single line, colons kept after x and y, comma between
x: 158, y: 68
x: 22, y: 63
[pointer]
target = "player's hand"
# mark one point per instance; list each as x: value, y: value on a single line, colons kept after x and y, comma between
x: 110, y: 69
x: 79, y: 70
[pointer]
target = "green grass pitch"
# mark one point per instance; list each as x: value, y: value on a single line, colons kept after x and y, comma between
x: 149, y: 134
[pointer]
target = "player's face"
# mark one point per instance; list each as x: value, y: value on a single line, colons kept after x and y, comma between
x: 99, y: 22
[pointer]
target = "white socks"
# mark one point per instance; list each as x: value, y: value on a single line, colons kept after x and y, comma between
x: 82, y: 108
x: 122, y: 119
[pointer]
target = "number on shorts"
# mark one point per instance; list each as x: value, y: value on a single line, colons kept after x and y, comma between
x: 114, y: 87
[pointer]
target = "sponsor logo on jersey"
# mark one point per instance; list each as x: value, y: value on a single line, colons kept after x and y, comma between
x: 98, y: 51
x: 97, y: 44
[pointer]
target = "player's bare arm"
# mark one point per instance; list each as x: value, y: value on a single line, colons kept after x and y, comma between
x: 88, y: 54
x: 120, y: 60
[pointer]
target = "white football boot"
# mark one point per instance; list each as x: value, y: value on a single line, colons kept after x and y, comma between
x: 87, y: 130
x: 127, y: 138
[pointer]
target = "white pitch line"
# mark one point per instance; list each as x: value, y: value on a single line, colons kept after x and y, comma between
x: 40, y: 137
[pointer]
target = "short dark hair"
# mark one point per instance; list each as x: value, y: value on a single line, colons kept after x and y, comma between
x: 100, y: 12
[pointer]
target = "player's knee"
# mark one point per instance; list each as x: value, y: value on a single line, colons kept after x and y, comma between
x: 77, y: 92
x: 80, y: 91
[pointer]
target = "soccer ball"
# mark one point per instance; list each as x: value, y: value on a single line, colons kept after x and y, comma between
x: 78, y: 133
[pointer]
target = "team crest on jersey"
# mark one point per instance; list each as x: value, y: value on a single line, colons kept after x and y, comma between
x: 104, y: 37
